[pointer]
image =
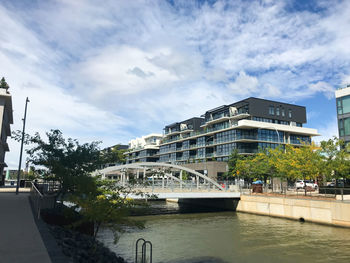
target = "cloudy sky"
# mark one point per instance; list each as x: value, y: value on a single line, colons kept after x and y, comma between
x: 115, y: 70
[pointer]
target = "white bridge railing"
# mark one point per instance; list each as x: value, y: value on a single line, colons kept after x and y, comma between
x: 165, y: 184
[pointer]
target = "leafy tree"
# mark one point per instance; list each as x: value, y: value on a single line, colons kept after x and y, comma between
x: 336, y: 158
x: 109, y: 206
x: 301, y: 162
x: 232, y: 162
x: 3, y: 84
x: 102, y: 202
x: 262, y: 167
x: 112, y: 155
x: 185, y: 175
x: 245, y: 168
x: 66, y: 161
x: 32, y: 175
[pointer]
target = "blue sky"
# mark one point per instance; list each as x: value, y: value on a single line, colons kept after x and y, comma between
x: 115, y: 70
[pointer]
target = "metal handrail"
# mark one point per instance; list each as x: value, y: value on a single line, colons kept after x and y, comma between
x: 36, y: 201
x: 144, y: 246
x: 143, y: 251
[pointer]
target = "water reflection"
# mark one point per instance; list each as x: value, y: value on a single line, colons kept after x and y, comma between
x: 234, y: 237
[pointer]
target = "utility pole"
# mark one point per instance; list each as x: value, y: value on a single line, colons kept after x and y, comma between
x: 20, y: 154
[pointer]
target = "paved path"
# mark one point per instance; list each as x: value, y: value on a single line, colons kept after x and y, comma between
x: 20, y: 240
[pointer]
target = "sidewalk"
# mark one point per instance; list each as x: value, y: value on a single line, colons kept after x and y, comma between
x: 20, y: 240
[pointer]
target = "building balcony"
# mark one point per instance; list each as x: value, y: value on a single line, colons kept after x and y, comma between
x: 226, y: 117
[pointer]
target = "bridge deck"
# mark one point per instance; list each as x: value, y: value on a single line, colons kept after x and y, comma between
x: 161, y: 194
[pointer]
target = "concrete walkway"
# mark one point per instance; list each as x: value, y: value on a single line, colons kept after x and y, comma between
x: 20, y: 240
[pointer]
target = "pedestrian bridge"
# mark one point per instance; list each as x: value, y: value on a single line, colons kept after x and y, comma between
x: 170, y: 181
x: 171, y: 175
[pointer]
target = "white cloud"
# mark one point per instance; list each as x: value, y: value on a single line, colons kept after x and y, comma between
x: 327, y: 132
x: 345, y: 80
x: 244, y: 84
x: 126, y: 68
x: 323, y: 87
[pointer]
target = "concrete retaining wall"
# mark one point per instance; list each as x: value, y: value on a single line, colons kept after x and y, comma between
x: 320, y: 211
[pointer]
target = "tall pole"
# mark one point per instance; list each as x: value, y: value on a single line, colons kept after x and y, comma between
x: 20, y: 154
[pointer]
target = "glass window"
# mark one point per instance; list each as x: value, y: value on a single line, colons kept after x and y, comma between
x: 290, y: 113
x: 346, y: 104
x: 272, y: 110
x: 278, y: 111
x: 282, y: 112
x: 340, y: 110
x: 298, y: 139
x: 347, y: 126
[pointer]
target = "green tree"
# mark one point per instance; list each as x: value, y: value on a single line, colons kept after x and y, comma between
x: 109, y: 206
x: 185, y: 175
x: 232, y: 162
x: 3, y: 84
x: 336, y: 158
x: 112, y: 155
x: 261, y: 166
x: 300, y: 162
x: 66, y: 161
x: 71, y: 164
x: 245, y: 168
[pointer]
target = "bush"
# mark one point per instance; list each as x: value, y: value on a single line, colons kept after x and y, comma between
x: 66, y: 217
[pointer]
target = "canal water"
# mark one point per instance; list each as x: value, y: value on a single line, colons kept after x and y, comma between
x: 231, y: 237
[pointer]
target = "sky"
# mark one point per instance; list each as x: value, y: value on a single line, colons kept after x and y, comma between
x: 112, y: 71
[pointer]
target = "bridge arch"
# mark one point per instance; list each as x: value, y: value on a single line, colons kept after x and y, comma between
x: 145, y: 165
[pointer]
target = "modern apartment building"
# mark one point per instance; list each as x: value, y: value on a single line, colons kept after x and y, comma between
x: 6, y: 119
x: 205, y: 144
x: 246, y: 125
x: 144, y: 149
x: 342, y: 96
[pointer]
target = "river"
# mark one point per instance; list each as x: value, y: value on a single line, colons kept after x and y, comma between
x: 232, y: 237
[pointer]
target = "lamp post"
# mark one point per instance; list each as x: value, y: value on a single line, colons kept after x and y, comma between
x: 22, y: 141
x: 278, y: 135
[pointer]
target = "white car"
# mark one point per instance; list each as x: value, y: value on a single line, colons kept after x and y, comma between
x: 308, y: 183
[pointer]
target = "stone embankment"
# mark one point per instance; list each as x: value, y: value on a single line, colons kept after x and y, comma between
x: 330, y: 212
x: 83, y: 248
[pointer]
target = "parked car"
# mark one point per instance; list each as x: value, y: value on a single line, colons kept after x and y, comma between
x: 308, y: 183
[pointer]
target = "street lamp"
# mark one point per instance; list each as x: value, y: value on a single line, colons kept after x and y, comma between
x: 278, y: 135
x: 21, y: 151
